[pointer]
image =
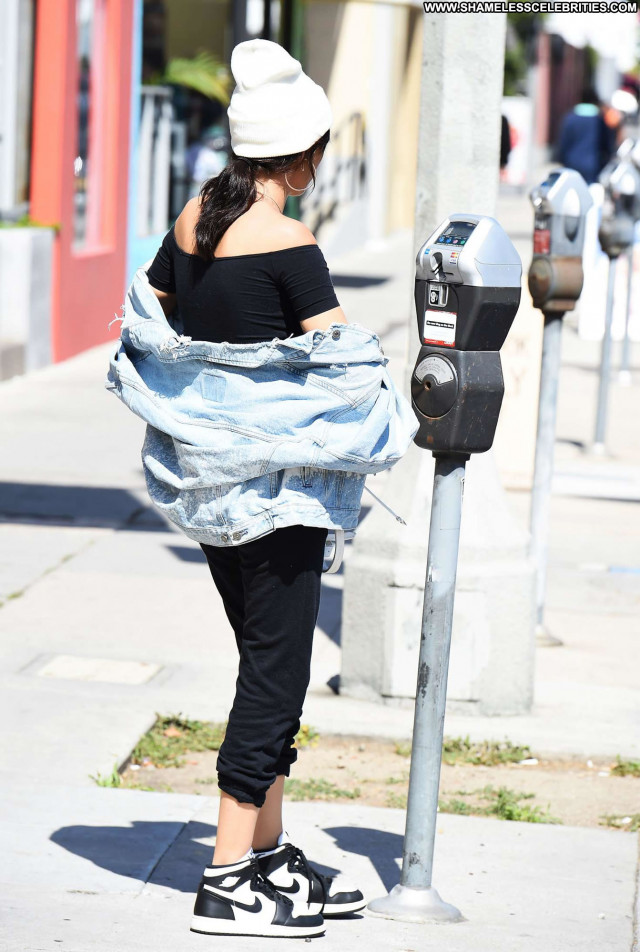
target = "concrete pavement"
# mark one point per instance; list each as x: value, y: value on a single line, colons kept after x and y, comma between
x: 89, y: 574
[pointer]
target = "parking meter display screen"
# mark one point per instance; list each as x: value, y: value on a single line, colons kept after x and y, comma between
x: 456, y: 234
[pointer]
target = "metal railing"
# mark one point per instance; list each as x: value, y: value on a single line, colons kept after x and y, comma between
x: 341, y: 177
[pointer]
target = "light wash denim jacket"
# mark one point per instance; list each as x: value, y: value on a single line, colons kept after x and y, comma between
x: 242, y: 439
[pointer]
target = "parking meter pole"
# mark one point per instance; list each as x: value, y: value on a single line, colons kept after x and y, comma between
x: 415, y: 897
x: 555, y: 281
x: 605, y: 365
x: 467, y: 293
x: 543, y: 469
x: 624, y: 374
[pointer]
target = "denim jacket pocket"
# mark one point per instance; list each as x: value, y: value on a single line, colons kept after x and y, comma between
x: 212, y: 386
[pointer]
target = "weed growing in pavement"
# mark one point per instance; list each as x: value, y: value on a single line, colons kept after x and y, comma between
x: 307, y: 736
x: 630, y: 823
x: 317, y: 789
x: 626, y: 768
x: 402, y: 779
x: 502, y: 803
x: 398, y: 800
x: 403, y: 748
x: 172, y: 736
x: 462, y: 750
x: 111, y: 780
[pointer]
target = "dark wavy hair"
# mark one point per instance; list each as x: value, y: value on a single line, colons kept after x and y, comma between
x: 232, y: 192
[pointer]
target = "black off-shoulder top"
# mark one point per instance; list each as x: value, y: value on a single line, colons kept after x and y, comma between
x: 244, y: 298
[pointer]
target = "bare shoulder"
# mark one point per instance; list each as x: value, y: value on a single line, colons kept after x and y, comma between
x: 186, y: 223
x: 291, y: 233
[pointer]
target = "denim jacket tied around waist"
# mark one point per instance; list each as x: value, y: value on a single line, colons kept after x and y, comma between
x: 242, y: 439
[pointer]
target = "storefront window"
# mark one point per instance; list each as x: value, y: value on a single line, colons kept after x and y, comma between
x: 84, y: 158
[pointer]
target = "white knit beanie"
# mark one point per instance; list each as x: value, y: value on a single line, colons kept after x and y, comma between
x: 275, y: 109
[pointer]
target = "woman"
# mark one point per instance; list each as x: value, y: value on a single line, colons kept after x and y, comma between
x: 242, y: 272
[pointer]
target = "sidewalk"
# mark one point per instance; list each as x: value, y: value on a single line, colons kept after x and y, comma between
x: 90, y: 575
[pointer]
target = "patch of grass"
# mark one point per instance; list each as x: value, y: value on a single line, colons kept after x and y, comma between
x: 462, y: 750
x: 455, y: 806
x: 629, y: 823
x: 113, y: 779
x: 162, y: 788
x: 626, y: 768
x: 317, y: 789
x: 206, y: 780
x: 307, y: 736
x: 398, y: 800
x: 403, y: 748
x: 502, y: 803
x: 172, y: 736
x: 391, y: 780
x: 486, y: 752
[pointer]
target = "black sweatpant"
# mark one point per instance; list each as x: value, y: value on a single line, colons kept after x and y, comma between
x: 270, y: 588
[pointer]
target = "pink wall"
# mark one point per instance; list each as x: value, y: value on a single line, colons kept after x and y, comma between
x: 87, y: 281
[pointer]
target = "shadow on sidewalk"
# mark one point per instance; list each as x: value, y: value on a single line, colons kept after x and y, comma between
x: 170, y: 854
x: 53, y: 505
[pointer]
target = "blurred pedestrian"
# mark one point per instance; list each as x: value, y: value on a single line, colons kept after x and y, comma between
x: 207, y: 157
x: 586, y: 142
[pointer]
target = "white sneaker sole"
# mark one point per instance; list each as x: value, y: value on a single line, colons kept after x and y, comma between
x: 340, y: 908
x: 212, y: 926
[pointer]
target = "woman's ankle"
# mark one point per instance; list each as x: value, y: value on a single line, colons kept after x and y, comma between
x: 229, y: 858
x: 267, y: 843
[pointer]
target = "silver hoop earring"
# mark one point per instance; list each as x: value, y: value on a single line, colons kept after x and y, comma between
x: 292, y: 188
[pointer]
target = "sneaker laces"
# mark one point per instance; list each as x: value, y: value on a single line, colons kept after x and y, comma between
x: 300, y: 863
x: 260, y: 882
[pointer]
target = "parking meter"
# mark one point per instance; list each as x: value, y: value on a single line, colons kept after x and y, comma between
x: 467, y: 293
x: 620, y: 212
x: 555, y: 276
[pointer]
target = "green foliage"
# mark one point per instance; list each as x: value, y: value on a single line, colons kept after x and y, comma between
x: 204, y: 73
x: 317, y: 789
x: 626, y: 768
x: 307, y: 736
x: 25, y: 221
x: 502, y: 803
x: 629, y: 823
x: 522, y: 29
x: 172, y: 736
x: 397, y: 800
x: 486, y: 752
x: 461, y: 750
x: 403, y: 748
x: 111, y: 780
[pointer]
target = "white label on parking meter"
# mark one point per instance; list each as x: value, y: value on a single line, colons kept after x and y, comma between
x: 437, y: 367
x: 440, y: 328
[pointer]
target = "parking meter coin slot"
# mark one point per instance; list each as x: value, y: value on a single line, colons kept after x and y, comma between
x: 438, y: 294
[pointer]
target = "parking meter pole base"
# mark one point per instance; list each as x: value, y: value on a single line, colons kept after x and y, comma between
x: 409, y: 904
x: 545, y: 639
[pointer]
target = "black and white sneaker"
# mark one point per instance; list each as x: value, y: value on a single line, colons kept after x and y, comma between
x: 238, y: 899
x: 289, y: 870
